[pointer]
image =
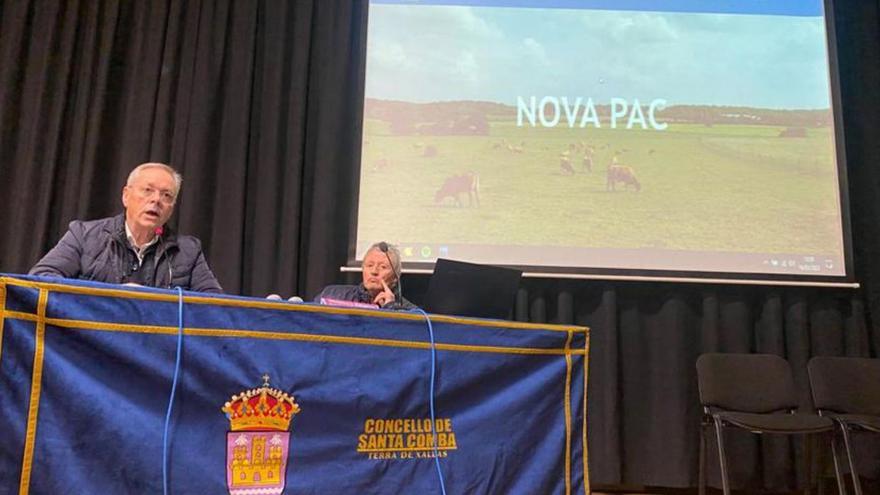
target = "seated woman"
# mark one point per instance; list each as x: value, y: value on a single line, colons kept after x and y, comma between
x: 381, y: 279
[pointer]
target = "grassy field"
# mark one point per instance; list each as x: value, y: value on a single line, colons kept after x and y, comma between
x: 732, y: 188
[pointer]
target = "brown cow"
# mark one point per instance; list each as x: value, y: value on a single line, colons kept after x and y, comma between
x: 621, y: 173
x: 588, y: 158
x: 565, y: 164
x: 588, y: 163
x: 467, y: 183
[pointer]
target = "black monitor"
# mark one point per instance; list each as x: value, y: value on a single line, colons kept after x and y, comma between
x: 468, y: 289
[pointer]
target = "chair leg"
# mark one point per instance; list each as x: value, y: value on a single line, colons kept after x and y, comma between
x: 857, y: 486
x: 722, y: 457
x: 821, y: 462
x: 808, y: 463
x: 702, y: 468
x: 838, y: 474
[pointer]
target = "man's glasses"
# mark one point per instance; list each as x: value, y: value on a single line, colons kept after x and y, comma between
x: 147, y: 192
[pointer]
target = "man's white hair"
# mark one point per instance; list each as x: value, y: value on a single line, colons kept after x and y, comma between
x: 178, y: 179
x: 393, y: 254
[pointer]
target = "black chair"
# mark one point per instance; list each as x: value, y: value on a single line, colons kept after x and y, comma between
x: 847, y: 390
x: 756, y: 393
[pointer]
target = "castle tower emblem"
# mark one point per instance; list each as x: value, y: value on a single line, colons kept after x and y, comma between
x: 258, y: 442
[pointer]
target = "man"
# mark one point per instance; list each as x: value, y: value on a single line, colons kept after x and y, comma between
x: 134, y: 247
x: 380, y: 272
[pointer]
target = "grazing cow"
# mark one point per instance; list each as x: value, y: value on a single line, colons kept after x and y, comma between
x: 565, y: 164
x: 467, y: 183
x: 624, y: 174
x: 588, y: 162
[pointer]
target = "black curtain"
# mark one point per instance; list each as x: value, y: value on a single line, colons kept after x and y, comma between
x: 257, y: 103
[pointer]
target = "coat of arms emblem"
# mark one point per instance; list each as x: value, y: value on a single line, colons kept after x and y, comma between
x: 258, y: 442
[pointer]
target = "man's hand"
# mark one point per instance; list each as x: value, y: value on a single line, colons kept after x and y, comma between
x: 384, y: 297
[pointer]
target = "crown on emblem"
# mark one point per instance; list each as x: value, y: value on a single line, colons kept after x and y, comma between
x: 263, y: 408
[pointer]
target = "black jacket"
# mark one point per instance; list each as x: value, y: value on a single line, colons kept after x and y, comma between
x: 99, y: 250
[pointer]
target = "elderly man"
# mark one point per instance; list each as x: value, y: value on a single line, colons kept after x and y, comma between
x: 135, y: 247
x: 381, y: 275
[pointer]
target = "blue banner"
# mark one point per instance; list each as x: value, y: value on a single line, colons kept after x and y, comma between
x: 754, y: 7
x: 276, y: 397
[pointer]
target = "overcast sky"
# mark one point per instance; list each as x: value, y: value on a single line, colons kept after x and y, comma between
x: 443, y: 53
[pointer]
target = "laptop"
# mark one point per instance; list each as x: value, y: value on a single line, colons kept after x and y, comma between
x: 469, y: 289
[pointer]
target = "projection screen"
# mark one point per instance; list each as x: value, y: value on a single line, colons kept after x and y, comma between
x: 679, y: 138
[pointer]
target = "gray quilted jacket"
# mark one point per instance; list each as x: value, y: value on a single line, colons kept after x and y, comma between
x: 99, y: 250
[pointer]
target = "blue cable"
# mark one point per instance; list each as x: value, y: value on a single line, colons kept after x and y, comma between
x: 173, y: 390
x: 431, y: 397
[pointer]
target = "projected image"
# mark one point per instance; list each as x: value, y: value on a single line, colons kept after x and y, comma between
x: 586, y: 137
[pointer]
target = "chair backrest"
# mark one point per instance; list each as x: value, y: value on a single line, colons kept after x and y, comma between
x: 756, y: 383
x: 845, y: 385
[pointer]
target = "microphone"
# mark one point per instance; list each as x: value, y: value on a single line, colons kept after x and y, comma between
x: 398, y: 287
x: 277, y: 297
x: 159, y: 231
